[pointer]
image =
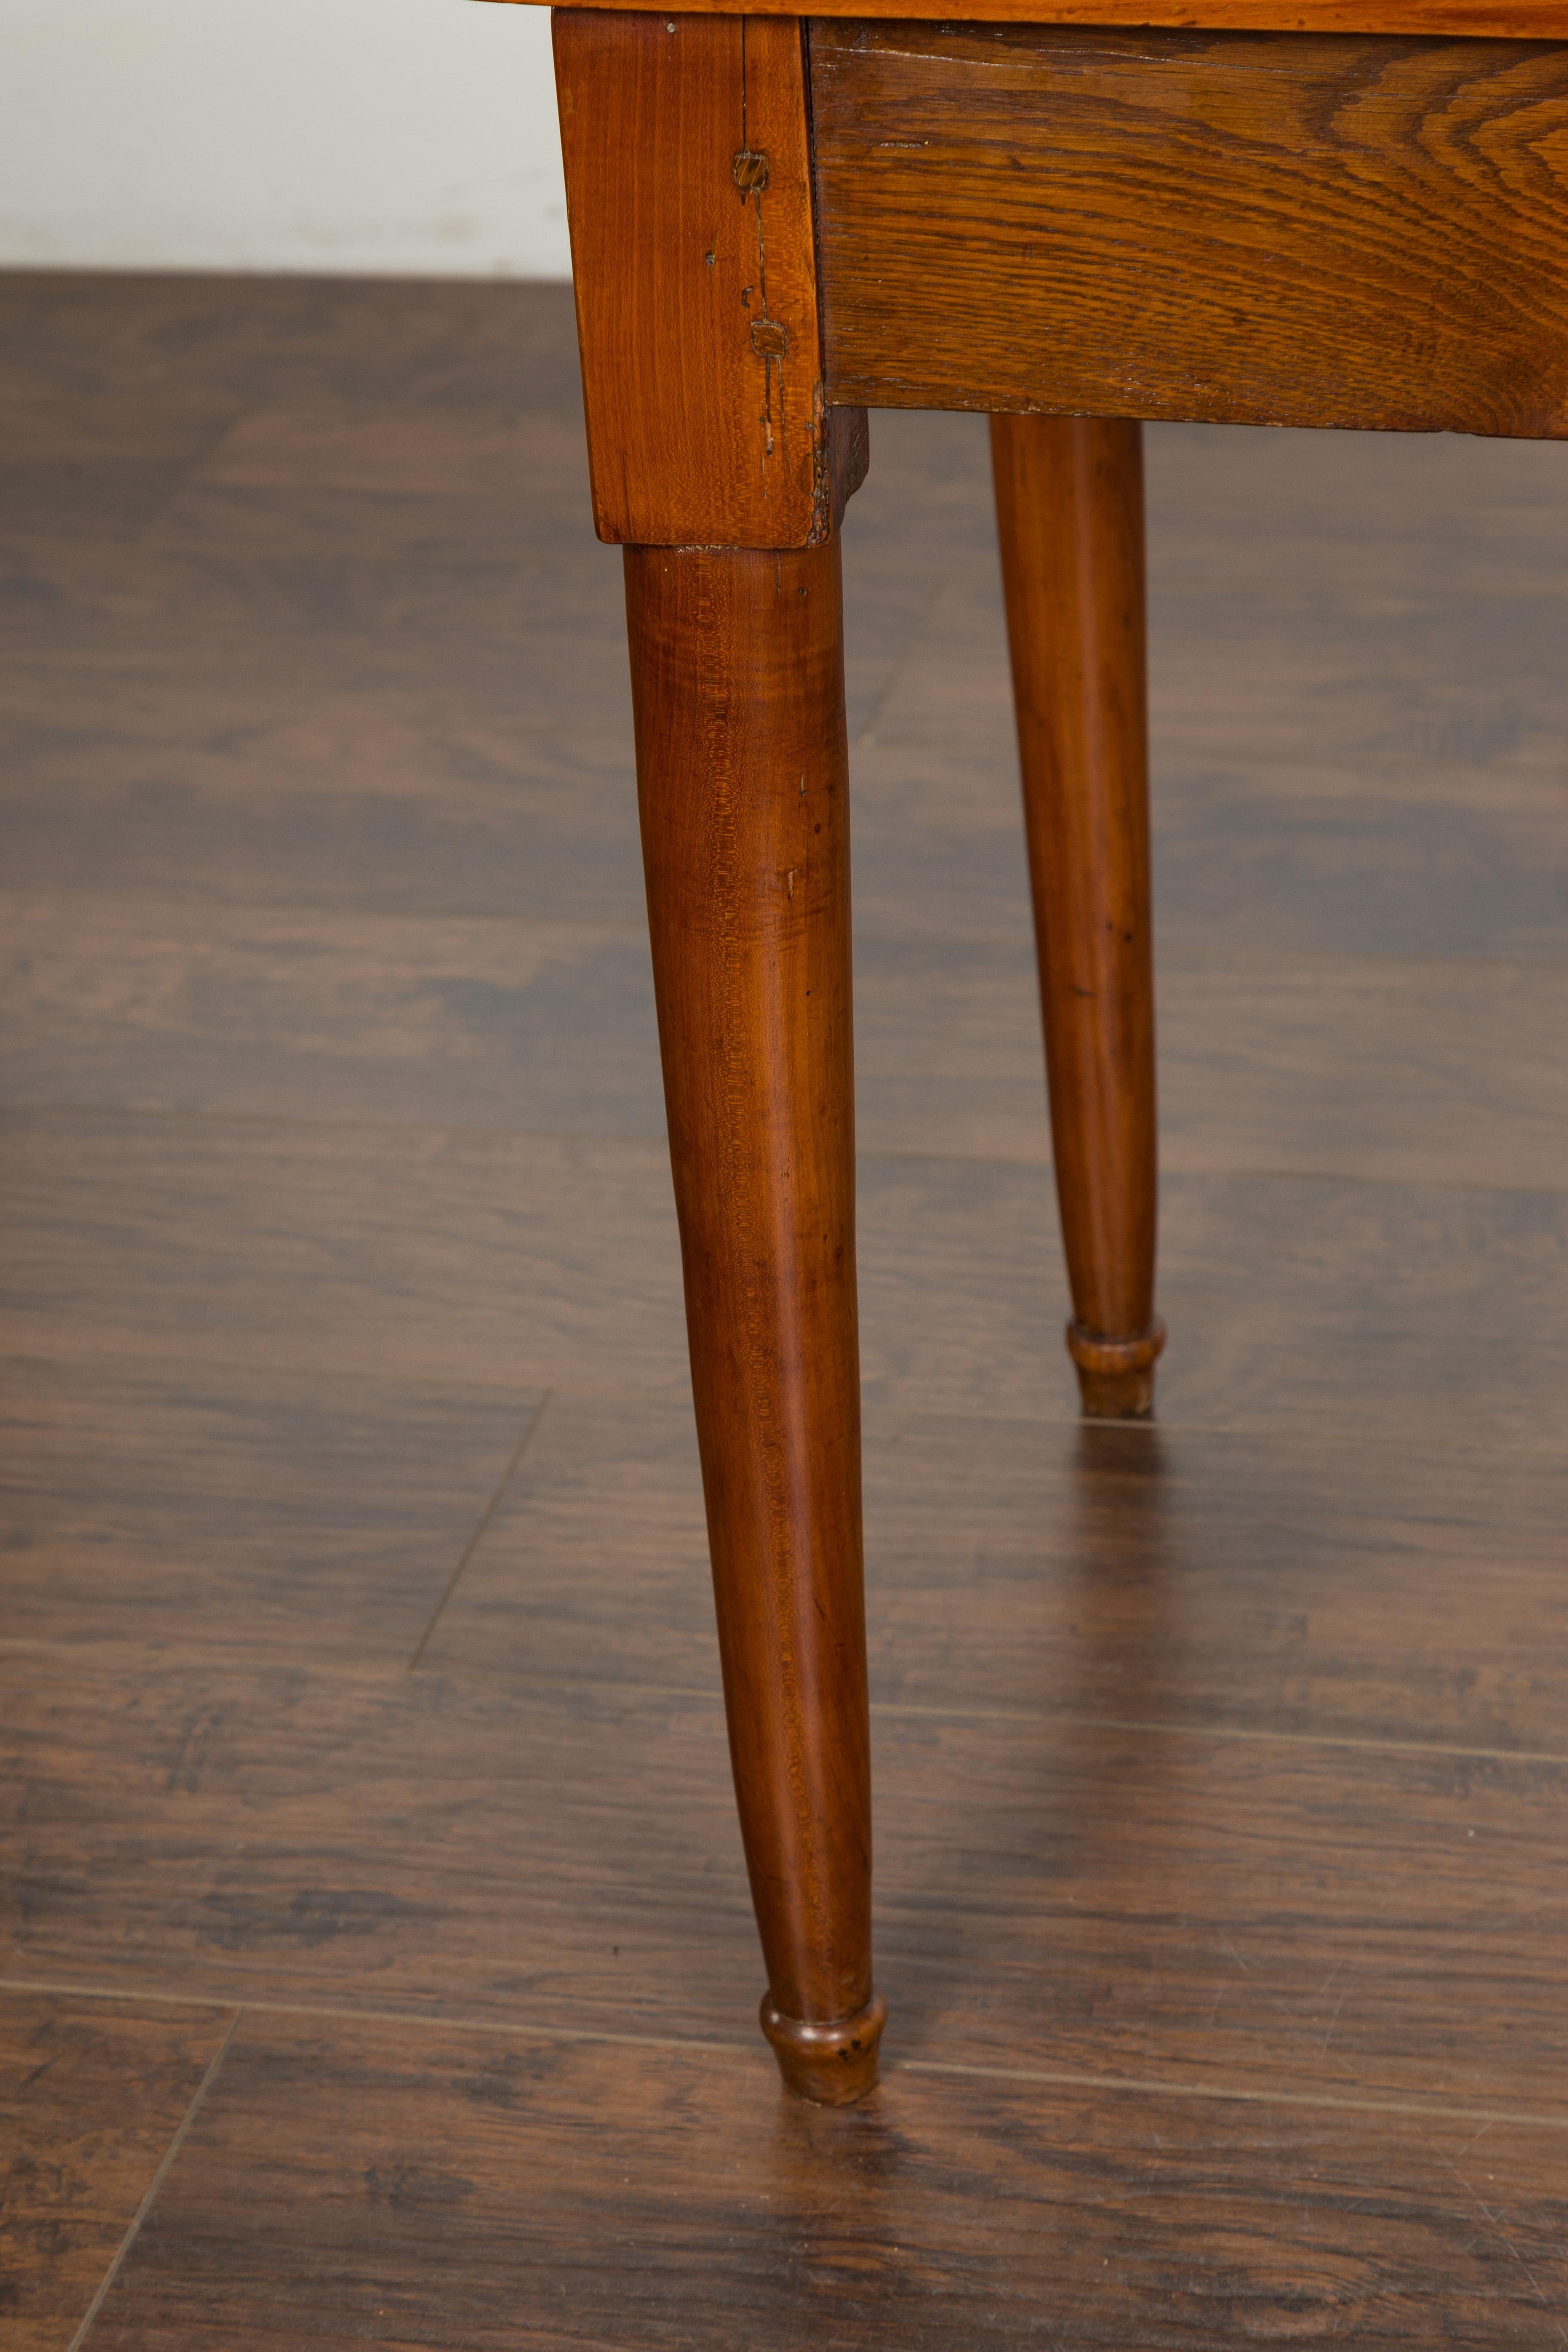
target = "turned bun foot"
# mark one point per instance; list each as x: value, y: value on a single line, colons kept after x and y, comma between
x: 1116, y: 1376
x: 833, y: 2064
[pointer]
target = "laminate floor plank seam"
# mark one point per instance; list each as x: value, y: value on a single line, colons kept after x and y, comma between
x: 1155, y: 2087
x: 894, y: 1157
x: 284, y: 1369
x: 1290, y: 1432
x: 527, y: 2030
x: 214, y: 2067
x: 1153, y: 1729
x: 1224, y: 1174
x: 148, y: 523
x: 1289, y: 1428
x: 218, y: 1661
x: 281, y: 907
x: 155, y: 1654
x: 894, y: 1710
x: 1181, y: 959
x: 486, y: 1516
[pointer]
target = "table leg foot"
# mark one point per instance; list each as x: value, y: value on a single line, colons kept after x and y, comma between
x: 832, y: 2065
x: 1116, y: 1376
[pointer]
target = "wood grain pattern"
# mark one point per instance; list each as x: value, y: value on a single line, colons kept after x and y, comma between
x: 341, y: 2180
x: 1387, y: 1067
x: 452, y: 1256
x: 1069, y: 512
x: 268, y: 1514
x: 92, y: 2095
x: 1384, y: 1068
x: 688, y: 194
x: 140, y: 343
x: 1275, y: 1581
x: 249, y: 751
x: 541, y: 1261
x: 299, y: 1012
x: 743, y: 785
x: 1190, y: 1910
x: 352, y: 793
x: 1356, y: 751
x: 1256, y: 229
x: 1386, y: 1275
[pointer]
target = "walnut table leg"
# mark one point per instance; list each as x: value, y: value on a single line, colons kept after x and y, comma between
x: 737, y: 676
x: 1069, y: 500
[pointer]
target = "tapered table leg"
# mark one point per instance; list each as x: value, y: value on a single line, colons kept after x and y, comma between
x: 1069, y: 502
x: 738, y: 692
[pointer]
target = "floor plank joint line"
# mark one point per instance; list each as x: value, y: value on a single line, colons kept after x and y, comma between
x: 1067, y: 2078
x: 527, y: 2030
x: 477, y: 1536
x: 215, y: 2065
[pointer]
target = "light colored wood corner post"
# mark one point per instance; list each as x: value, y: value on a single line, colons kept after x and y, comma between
x: 717, y: 465
x: 1069, y: 502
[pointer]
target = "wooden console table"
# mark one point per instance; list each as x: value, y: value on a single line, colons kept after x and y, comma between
x: 1260, y: 212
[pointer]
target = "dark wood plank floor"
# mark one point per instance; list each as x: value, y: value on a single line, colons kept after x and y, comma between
x: 375, y: 1963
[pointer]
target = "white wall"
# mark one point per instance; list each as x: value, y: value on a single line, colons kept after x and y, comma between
x: 384, y: 136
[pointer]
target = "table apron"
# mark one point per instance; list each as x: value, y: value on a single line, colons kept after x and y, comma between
x: 1258, y: 228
